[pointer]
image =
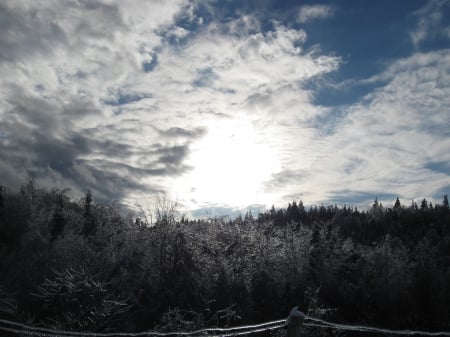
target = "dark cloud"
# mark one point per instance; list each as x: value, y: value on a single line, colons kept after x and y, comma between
x: 126, y: 125
x: 39, y: 140
x: 205, y: 77
x: 81, y: 107
x: 57, y: 154
x: 129, y: 170
x: 51, y: 114
x: 177, y: 132
x: 35, y: 111
x: 172, y: 155
x: 35, y: 141
x: 285, y: 178
x: 111, y: 149
x: 259, y: 100
x: 108, y: 10
x: 122, y: 99
x: 42, y: 155
x: 214, y: 113
x: 107, y: 185
x: 155, y: 159
x: 30, y: 29
x: 26, y: 32
x: 107, y: 20
x: 165, y: 160
x: 10, y: 175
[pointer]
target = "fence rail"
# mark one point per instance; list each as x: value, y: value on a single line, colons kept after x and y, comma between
x: 27, y: 330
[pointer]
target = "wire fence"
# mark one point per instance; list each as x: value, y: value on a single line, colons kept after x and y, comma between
x: 21, y: 329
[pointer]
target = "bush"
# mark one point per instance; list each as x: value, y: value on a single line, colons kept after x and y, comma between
x: 77, y: 300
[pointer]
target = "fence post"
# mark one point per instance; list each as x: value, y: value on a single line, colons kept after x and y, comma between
x: 295, y: 322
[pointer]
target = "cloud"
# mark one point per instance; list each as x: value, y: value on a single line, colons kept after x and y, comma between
x: 432, y: 19
x: 120, y: 98
x: 177, y: 132
x: 123, y: 99
x: 99, y: 119
x: 25, y: 34
x: 386, y: 144
x: 244, y: 69
x: 43, y: 144
x: 361, y: 199
x: 253, y: 77
x: 63, y: 70
x: 310, y: 13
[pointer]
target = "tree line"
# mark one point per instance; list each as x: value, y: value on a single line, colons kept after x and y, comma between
x: 74, y: 264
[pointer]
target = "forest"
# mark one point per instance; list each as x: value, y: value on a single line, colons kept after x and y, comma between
x: 82, y: 266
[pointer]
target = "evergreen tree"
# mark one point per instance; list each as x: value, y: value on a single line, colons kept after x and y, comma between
x: 343, y: 259
x: 302, y: 211
x: 272, y: 212
x: 263, y: 294
x: 445, y: 202
x: 375, y: 203
x: 315, y: 258
x: 2, y: 204
x: 29, y: 190
x: 58, y: 221
x: 424, y: 204
x: 248, y: 216
x: 295, y: 212
x: 88, y: 219
x: 222, y: 291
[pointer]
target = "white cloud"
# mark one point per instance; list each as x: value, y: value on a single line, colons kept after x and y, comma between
x: 229, y: 84
x: 309, y: 13
x: 179, y: 32
x: 72, y: 56
x: 137, y: 129
x: 256, y: 80
x: 387, y: 143
x: 431, y: 22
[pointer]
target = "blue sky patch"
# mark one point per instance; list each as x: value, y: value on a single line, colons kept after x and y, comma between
x: 122, y: 99
x: 148, y: 66
x: 439, y: 167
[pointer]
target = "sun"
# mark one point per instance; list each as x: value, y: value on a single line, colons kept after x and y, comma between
x: 230, y: 165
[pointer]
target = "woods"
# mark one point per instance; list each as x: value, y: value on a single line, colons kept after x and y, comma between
x: 77, y: 265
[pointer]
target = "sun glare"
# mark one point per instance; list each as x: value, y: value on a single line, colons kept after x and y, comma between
x: 230, y: 165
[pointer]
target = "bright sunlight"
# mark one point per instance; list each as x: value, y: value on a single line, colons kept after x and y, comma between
x: 230, y: 165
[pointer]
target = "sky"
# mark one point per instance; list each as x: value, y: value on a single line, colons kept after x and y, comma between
x: 225, y: 106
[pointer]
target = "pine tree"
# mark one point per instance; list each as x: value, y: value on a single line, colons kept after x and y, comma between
x: 424, y: 204
x: 58, y: 221
x: 375, y: 205
x: 2, y: 203
x: 397, y: 203
x: 445, y: 202
x: 88, y: 225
